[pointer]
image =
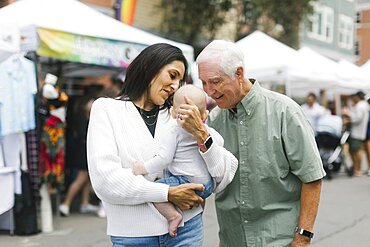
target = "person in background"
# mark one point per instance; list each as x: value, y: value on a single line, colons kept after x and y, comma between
x: 81, y: 112
x: 274, y: 197
x: 113, y: 89
x: 132, y: 128
x: 180, y: 153
x: 367, y: 142
x: 358, y: 115
x: 313, y: 110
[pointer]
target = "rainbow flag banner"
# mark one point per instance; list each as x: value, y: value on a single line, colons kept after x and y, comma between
x: 126, y: 11
x: 86, y: 49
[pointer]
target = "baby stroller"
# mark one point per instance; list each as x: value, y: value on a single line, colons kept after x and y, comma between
x: 330, y: 140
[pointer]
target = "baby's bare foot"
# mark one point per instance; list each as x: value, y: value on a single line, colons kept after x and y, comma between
x: 173, y: 224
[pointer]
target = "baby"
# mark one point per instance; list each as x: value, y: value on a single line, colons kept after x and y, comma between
x: 180, y: 153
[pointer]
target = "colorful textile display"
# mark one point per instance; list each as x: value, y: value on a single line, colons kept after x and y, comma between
x: 52, y: 153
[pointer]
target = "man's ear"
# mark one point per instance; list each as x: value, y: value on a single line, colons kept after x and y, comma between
x: 240, y: 73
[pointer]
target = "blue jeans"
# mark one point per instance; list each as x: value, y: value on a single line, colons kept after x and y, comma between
x: 177, y: 180
x: 190, y: 235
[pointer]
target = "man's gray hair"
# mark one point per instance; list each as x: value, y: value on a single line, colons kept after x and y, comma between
x: 225, y: 53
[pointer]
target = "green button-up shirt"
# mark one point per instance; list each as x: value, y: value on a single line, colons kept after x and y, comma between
x: 276, y: 149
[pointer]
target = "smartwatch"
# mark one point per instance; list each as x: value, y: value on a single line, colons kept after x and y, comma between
x: 207, y: 143
x: 303, y: 232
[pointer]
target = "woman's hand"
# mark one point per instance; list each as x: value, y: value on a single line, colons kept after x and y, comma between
x: 139, y: 169
x: 190, y: 119
x: 184, y: 197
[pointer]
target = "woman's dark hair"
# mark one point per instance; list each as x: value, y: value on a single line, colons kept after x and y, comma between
x: 146, y: 66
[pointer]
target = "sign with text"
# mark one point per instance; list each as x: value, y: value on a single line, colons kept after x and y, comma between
x: 86, y: 49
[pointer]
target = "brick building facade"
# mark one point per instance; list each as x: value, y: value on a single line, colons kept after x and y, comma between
x: 363, y: 31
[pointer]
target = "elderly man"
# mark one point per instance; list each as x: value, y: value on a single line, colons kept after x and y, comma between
x: 274, y: 196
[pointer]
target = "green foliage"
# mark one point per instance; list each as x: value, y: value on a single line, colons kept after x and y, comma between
x: 288, y: 14
x: 186, y: 20
x: 196, y: 21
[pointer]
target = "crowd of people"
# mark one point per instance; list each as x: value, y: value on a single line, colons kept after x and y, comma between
x: 355, y: 118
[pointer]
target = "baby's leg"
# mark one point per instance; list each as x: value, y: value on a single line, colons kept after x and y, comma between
x: 173, y: 216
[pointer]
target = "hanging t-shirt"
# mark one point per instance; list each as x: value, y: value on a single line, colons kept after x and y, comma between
x: 17, y: 88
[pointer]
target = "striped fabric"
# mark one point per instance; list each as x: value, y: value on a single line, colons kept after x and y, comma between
x: 33, y: 143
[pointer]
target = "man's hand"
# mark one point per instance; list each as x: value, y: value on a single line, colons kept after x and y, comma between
x: 139, y: 169
x: 300, y: 241
x: 184, y: 197
x: 310, y: 197
x: 190, y: 119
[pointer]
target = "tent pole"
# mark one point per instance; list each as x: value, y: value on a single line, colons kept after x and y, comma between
x: 338, y: 104
x: 288, y: 89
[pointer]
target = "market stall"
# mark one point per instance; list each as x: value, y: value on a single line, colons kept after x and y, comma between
x: 272, y: 62
x: 366, y: 67
x: 352, y: 78
x: 72, y: 41
x: 266, y: 58
x: 6, y: 50
x: 70, y: 31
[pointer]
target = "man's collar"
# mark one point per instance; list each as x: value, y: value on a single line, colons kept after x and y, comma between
x: 233, y: 110
x: 249, y: 101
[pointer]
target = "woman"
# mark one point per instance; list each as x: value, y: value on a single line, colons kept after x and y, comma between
x: 129, y: 129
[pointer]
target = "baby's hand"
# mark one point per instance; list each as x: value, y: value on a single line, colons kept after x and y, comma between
x: 139, y: 169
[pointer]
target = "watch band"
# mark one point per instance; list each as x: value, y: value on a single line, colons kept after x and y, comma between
x: 303, y: 232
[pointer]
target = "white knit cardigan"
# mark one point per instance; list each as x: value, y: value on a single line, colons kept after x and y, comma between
x: 117, y: 136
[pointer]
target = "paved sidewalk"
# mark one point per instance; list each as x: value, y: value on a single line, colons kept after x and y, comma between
x: 343, y: 221
x: 77, y: 230
x: 344, y: 214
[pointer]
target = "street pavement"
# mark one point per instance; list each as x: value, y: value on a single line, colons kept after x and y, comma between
x: 343, y: 221
x: 344, y: 214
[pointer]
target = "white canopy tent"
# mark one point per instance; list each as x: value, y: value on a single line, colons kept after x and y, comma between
x: 6, y: 50
x: 340, y: 77
x: 320, y: 69
x: 9, y: 41
x: 266, y: 58
x: 69, y: 30
x: 366, y: 68
x: 352, y: 77
x: 319, y: 65
x: 271, y: 61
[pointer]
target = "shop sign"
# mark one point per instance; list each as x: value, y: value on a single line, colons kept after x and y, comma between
x: 86, y: 49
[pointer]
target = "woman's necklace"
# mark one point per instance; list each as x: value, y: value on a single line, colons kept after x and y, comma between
x: 149, y: 117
